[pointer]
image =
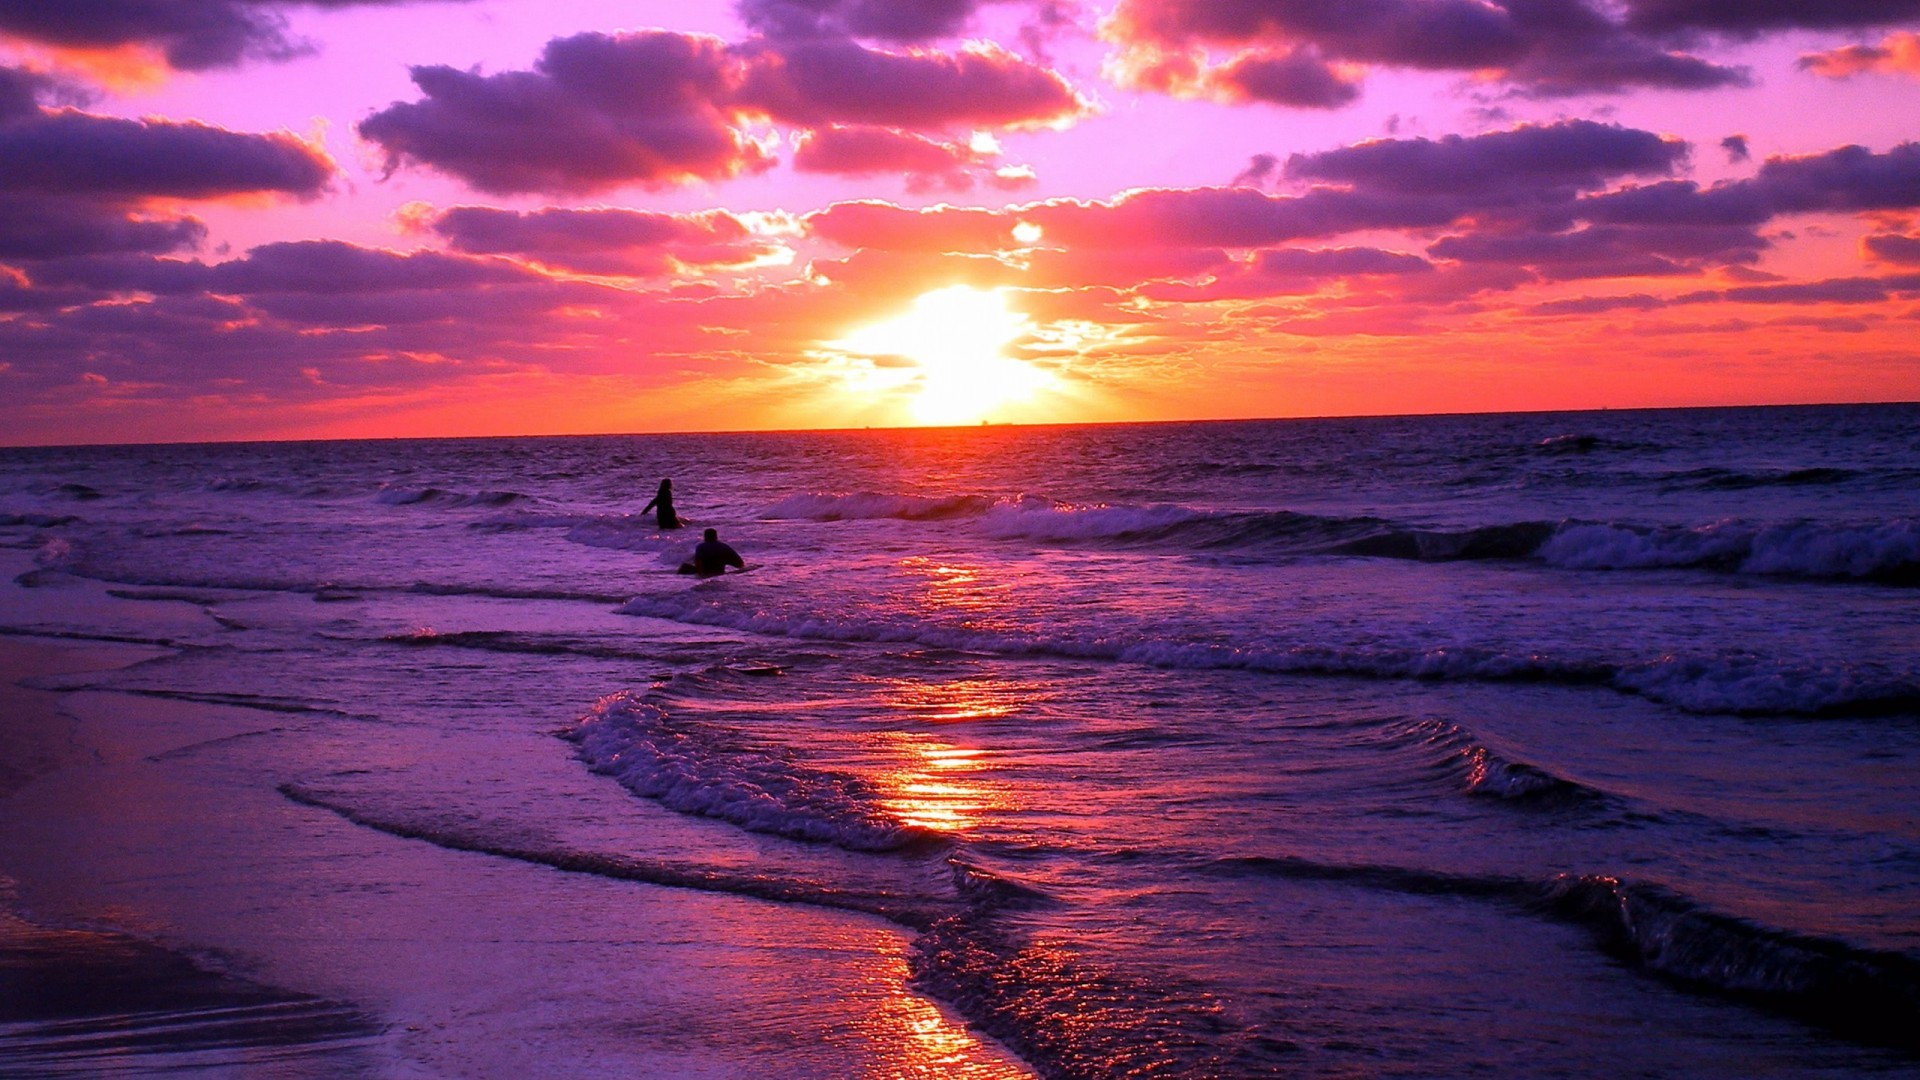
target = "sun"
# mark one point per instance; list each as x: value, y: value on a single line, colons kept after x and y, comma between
x: 954, y: 339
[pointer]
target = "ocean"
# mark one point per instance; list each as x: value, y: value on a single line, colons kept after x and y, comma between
x: 1557, y: 745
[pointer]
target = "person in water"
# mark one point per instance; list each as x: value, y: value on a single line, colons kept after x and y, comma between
x: 664, y: 500
x: 711, y: 557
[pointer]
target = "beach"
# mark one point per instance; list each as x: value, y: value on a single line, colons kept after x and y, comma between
x: 1565, y: 745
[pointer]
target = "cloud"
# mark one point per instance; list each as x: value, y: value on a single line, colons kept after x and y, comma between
x: 596, y: 112
x: 1298, y: 79
x: 1893, y: 248
x: 637, y: 243
x: 69, y: 152
x: 72, y: 183
x: 839, y: 82
x: 1543, y: 47
x: 1899, y: 54
x: 1531, y: 162
x: 190, y: 35
x: 1752, y: 17
x: 889, y: 20
x: 1260, y: 168
x: 657, y: 108
x: 1847, y: 179
x: 51, y: 226
x: 1737, y: 149
x: 1282, y: 271
x: 871, y: 151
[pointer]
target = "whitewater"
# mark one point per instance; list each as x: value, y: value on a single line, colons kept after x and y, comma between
x: 1571, y: 744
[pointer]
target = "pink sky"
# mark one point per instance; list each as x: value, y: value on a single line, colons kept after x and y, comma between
x: 256, y: 219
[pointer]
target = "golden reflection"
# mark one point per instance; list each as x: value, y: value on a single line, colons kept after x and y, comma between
x: 934, y: 785
x: 957, y: 587
x: 880, y: 1028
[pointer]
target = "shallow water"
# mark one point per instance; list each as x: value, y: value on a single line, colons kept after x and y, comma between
x: 1561, y: 744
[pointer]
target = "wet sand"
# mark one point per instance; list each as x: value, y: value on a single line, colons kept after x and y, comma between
x: 92, y: 1002
x: 175, y: 911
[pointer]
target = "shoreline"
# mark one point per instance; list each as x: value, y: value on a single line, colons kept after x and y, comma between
x: 164, y: 906
x: 73, y: 1000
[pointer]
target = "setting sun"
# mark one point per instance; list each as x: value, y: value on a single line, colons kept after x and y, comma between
x: 954, y: 337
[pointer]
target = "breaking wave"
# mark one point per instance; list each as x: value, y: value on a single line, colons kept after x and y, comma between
x: 433, y: 496
x: 1887, y: 552
x: 1868, y: 993
x: 1729, y: 684
x: 698, y: 770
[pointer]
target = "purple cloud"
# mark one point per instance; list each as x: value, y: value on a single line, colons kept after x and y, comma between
x: 71, y: 183
x: 657, y: 108
x: 1751, y: 17
x: 1544, y: 47
x: 79, y: 154
x: 192, y: 35
x: 1298, y: 79
x: 1893, y: 248
x: 1532, y: 161
x: 596, y: 112
x: 838, y: 82
x: 637, y: 243
x: 888, y: 20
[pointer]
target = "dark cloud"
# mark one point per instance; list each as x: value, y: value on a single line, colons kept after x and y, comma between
x: 72, y: 183
x: 1893, y: 248
x: 192, y: 35
x: 1260, y: 169
x: 1850, y: 178
x: 889, y: 20
x: 1749, y: 17
x: 637, y: 243
x: 839, y: 82
x: 1605, y: 251
x: 19, y: 94
x: 1543, y: 47
x: 655, y: 108
x: 596, y: 112
x: 51, y: 227
x: 1736, y: 148
x: 334, y: 267
x: 1532, y: 161
x: 70, y: 152
x: 1298, y: 79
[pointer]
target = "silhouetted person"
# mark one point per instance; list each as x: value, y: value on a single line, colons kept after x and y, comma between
x: 664, y: 500
x: 711, y: 557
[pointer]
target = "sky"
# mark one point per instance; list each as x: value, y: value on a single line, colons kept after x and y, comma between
x: 261, y: 219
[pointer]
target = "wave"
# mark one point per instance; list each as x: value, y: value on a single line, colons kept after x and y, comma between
x: 868, y: 505
x: 1866, y: 993
x: 76, y: 492
x: 507, y: 641
x: 1736, y: 685
x: 1068, y: 1016
x: 1887, y: 552
x: 1870, y: 994
x: 1484, y: 772
x: 695, y: 769
x: 433, y: 496
x: 913, y: 912
x: 37, y: 521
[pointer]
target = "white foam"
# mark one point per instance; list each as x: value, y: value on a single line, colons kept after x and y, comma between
x: 1803, y: 549
x: 693, y: 770
x: 870, y: 505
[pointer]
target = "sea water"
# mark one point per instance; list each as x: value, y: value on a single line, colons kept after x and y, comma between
x: 1557, y: 744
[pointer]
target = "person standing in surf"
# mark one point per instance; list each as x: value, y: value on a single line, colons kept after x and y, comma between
x: 711, y: 557
x: 664, y: 500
